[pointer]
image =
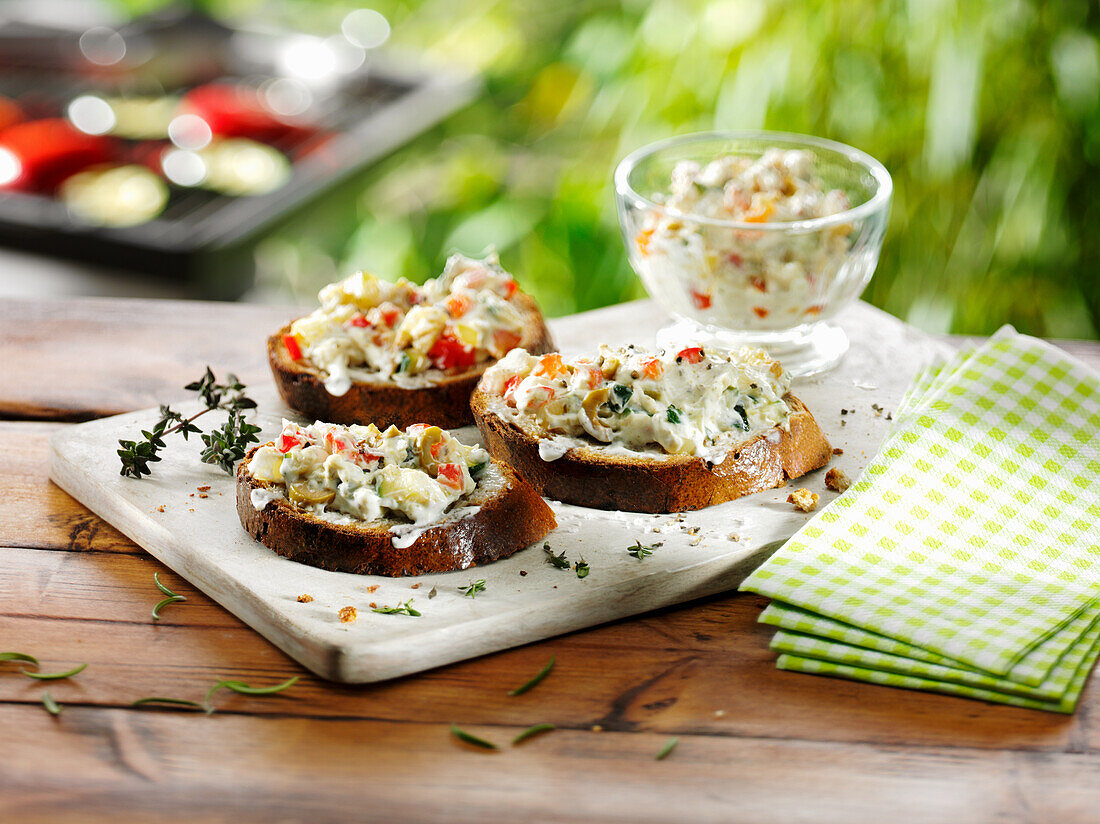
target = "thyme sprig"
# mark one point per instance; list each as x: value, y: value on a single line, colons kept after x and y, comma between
x: 640, y: 552
x: 534, y: 682
x: 171, y: 599
x: 556, y: 561
x: 400, y: 609
x: 473, y: 588
x: 223, y: 447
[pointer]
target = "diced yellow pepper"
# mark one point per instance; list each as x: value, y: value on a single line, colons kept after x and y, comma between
x: 466, y: 334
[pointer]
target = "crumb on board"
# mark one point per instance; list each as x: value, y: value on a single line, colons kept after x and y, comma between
x: 695, y: 541
x: 843, y: 423
x: 415, y: 586
x: 192, y: 495
x: 348, y: 614
x: 836, y: 480
x: 597, y: 728
x: 733, y: 536
x: 431, y: 593
x: 160, y: 508
x: 692, y: 530
x: 838, y: 451
x: 373, y: 588
x: 523, y: 573
x: 203, y: 488
x: 374, y: 605
x: 803, y: 499
x: 203, y: 495
x: 304, y: 598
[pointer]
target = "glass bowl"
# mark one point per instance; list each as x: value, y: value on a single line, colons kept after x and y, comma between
x: 764, y: 279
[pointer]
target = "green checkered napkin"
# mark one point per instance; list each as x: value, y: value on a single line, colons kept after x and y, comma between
x: 966, y: 559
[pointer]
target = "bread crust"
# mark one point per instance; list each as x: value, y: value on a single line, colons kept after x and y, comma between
x: 509, y: 520
x: 587, y: 477
x: 446, y: 403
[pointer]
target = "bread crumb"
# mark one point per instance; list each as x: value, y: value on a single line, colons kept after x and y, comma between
x: 415, y: 586
x: 374, y: 605
x: 838, y: 451
x: 523, y: 573
x: 803, y: 500
x: 203, y: 495
x: 373, y: 588
x: 192, y: 495
x: 160, y: 508
x: 695, y: 542
x: 348, y: 614
x: 836, y: 480
x: 203, y: 488
x: 597, y: 728
x: 733, y: 536
x: 304, y: 599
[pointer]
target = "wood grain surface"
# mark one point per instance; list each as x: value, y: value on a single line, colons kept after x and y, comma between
x: 755, y: 744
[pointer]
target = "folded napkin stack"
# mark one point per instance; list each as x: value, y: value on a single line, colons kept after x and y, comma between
x: 966, y: 558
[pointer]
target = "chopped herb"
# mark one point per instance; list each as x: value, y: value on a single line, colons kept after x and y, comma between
x: 18, y: 656
x: 672, y: 414
x: 404, y: 363
x: 581, y: 568
x: 224, y: 446
x: 473, y: 588
x: 478, y: 468
x: 52, y: 707
x: 667, y: 749
x: 556, y: 561
x: 534, y: 682
x: 638, y: 551
x: 54, y: 676
x: 619, y: 397
x: 469, y: 738
x: 244, y: 689
x: 740, y: 410
x: 162, y: 587
x: 400, y: 609
x: 161, y: 604
x: 530, y: 731
x: 180, y: 702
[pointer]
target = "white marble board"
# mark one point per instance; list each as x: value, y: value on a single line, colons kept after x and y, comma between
x: 702, y: 552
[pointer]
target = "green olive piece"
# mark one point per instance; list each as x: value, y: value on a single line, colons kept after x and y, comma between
x: 429, y: 438
x: 610, y: 367
x: 302, y: 494
x: 593, y: 400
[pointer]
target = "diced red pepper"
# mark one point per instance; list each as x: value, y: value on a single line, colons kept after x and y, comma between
x: 458, y: 305
x: 760, y: 311
x: 550, y: 365
x: 758, y: 283
x: 511, y: 384
x: 338, y: 442
x: 736, y: 259
x: 390, y: 313
x: 360, y: 321
x: 450, y: 475
x: 449, y: 353
x: 292, y: 347
x: 510, y: 288
x: 652, y: 368
x: 814, y: 310
x: 693, y: 354
x: 701, y: 301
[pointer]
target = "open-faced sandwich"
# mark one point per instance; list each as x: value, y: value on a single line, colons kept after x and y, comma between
x: 648, y: 431
x: 398, y: 502
x: 397, y: 353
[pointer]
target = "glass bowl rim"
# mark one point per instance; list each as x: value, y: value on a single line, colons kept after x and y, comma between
x: 876, y: 202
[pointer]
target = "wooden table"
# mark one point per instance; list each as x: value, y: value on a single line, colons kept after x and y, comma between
x: 755, y: 744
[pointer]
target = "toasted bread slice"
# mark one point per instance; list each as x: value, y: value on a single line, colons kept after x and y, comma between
x: 509, y: 517
x: 590, y: 475
x: 440, y: 397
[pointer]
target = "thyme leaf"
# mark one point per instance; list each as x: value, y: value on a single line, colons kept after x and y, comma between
x: 54, y: 676
x: 400, y: 609
x: 556, y: 561
x: 534, y: 682
x: 638, y: 551
x: 171, y: 599
x: 470, y: 738
x: 18, y: 656
x: 581, y: 568
x: 530, y: 731
x: 181, y: 702
x: 52, y: 707
x: 667, y: 749
x: 474, y: 587
x: 162, y: 587
x: 244, y: 689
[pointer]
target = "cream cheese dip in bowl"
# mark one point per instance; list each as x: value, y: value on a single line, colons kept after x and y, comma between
x: 755, y: 238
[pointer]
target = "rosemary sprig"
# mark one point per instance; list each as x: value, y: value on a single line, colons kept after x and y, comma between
x: 556, y: 561
x: 667, y: 749
x: 54, y: 676
x: 244, y: 689
x: 640, y: 552
x: 400, y: 609
x: 473, y: 588
x: 534, y: 682
x: 18, y: 656
x: 581, y: 568
x: 52, y: 707
x: 224, y: 446
x: 470, y: 738
x: 181, y: 702
x: 171, y: 599
x: 530, y: 731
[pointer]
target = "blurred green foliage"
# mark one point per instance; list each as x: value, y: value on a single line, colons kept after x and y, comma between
x: 986, y: 113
